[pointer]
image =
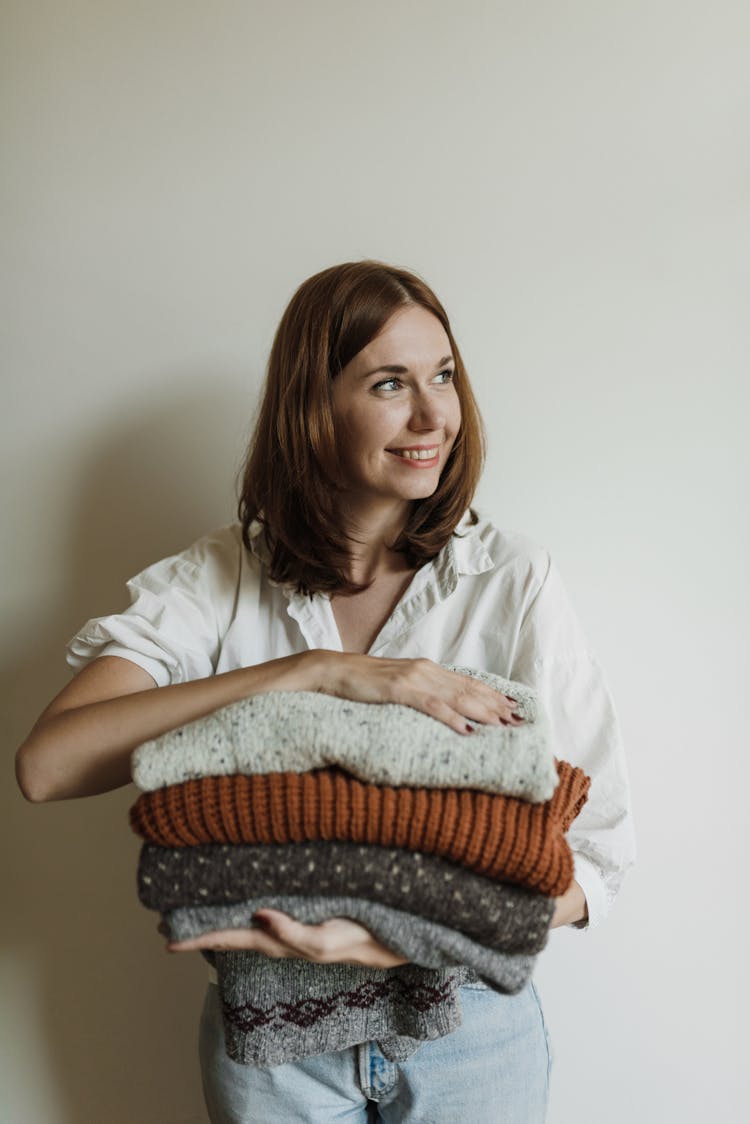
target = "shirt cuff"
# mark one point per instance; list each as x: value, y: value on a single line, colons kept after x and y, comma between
x: 155, y: 668
x: 590, y: 880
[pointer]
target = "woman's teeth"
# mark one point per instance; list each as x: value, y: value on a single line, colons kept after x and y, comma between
x: 416, y: 454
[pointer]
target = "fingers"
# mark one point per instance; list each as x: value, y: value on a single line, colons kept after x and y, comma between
x: 304, y: 939
x: 491, y: 709
x: 234, y: 940
x: 454, y: 698
x: 338, y: 940
x: 444, y: 712
x: 449, y: 696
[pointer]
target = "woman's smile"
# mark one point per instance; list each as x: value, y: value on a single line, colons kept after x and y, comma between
x: 417, y: 456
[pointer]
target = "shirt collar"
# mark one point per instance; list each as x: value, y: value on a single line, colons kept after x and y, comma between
x: 464, y: 553
x: 258, y: 544
x: 471, y: 555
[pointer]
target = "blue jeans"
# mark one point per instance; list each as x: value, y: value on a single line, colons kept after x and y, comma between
x: 494, y: 1069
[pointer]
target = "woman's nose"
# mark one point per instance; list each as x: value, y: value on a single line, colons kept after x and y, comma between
x: 427, y: 413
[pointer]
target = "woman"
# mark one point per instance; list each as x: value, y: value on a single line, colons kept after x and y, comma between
x: 357, y: 566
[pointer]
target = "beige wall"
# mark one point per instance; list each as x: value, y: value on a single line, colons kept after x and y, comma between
x: 572, y: 179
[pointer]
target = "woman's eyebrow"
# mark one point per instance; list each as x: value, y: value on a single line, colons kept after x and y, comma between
x: 395, y: 369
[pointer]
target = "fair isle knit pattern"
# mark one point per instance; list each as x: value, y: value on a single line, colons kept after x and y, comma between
x: 380, y: 743
x: 419, y: 941
x: 496, y: 914
x: 277, y: 1011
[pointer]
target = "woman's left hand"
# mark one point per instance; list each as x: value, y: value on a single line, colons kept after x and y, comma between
x: 337, y: 941
x: 570, y: 907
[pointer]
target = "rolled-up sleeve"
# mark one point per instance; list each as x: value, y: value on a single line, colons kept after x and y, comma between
x: 554, y: 656
x: 173, y: 626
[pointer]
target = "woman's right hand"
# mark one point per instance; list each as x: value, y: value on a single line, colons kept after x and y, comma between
x: 420, y: 683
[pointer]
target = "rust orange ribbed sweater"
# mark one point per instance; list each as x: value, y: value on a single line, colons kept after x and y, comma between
x: 501, y: 837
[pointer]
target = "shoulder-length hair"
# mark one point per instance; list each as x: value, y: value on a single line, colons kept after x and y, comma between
x: 291, y: 474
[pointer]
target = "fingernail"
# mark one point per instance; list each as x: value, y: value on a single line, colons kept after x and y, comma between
x: 470, y: 729
x: 262, y: 922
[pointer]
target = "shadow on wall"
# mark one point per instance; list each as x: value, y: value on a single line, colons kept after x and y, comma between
x: 112, y: 1017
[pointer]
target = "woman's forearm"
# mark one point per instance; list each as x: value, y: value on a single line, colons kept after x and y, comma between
x: 84, y: 750
x: 81, y: 745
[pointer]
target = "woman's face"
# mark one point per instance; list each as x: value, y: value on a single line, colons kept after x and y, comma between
x: 395, y: 428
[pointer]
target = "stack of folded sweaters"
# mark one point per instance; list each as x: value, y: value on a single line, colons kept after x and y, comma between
x: 449, y: 848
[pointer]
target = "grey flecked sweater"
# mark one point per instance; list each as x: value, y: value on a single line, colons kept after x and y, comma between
x: 420, y: 941
x: 386, y: 743
x: 500, y: 915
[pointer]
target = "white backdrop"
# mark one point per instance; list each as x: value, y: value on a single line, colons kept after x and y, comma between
x: 572, y: 180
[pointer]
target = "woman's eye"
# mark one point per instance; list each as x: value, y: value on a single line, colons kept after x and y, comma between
x: 393, y: 383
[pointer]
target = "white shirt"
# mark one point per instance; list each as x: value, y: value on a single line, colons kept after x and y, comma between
x: 491, y: 599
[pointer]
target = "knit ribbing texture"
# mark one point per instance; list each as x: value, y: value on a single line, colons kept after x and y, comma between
x: 500, y: 837
x: 498, y: 914
x: 382, y: 743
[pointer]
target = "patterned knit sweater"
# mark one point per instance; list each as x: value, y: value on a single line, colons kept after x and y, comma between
x: 499, y: 915
x: 282, y: 1010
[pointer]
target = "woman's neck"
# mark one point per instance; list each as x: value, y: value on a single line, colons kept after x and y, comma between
x: 374, y: 531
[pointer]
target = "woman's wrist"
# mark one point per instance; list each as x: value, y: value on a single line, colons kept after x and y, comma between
x: 325, y: 670
x: 315, y: 669
x: 302, y: 671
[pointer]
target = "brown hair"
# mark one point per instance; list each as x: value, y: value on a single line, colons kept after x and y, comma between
x: 291, y: 473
